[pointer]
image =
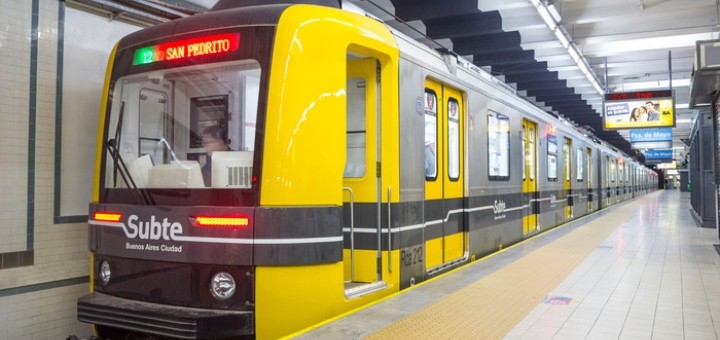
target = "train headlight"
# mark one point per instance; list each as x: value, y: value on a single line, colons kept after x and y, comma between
x: 222, y: 286
x: 105, y: 272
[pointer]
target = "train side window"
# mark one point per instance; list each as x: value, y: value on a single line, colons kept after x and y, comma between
x: 431, y: 159
x: 356, y: 128
x: 612, y: 171
x: 524, y: 160
x: 453, y: 139
x: 579, y: 164
x: 552, y: 157
x: 531, y: 152
x: 567, y: 160
x: 499, y: 147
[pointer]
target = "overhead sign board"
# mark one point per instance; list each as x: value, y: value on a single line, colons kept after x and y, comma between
x: 671, y: 165
x: 651, y: 135
x: 651, y: 145
x: 658, y: 154
x: 641, y: 109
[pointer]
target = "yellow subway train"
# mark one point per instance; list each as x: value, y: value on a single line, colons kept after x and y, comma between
x: 267, y: 166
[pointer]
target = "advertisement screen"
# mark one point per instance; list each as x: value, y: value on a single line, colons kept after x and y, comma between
x: 645, y: 109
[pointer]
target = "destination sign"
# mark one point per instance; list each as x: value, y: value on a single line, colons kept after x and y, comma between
x: 187, y: 48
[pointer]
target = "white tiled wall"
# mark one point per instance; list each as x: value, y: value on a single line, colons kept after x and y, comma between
x: 14, y: 96
x: 60, y: 250
x: 42, y: 315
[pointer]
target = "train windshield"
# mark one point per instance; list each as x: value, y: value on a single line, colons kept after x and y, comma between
x: 190, y: 128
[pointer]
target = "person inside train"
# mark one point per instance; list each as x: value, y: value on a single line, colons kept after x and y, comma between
x: 652, y: 113
x: 214, y: 138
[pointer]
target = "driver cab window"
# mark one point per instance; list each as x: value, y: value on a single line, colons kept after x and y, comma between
x: 190, y: 127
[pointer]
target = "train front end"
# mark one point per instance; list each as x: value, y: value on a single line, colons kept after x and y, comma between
x: 217, y: 208
x: 171, y: 223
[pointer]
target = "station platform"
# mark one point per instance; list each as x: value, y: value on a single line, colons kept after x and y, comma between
x: 638, y: 270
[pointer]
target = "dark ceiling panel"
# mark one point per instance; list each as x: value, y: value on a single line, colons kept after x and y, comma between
x: 409, y: 10
x: 473, y: 24
x: 531, y: 67
x: 487, y: 43
x: 556, y: 98
x: 542, y: 84
x: 512, y: 57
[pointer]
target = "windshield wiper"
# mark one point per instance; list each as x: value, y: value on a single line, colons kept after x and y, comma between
x: 119, y: 164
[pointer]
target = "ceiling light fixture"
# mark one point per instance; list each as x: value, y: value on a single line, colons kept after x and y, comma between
x: 552, y: 18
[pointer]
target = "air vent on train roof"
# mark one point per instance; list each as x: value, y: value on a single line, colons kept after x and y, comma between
x: 227, y: 4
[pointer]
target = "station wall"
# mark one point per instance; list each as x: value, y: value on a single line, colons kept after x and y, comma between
x: 52, y: 68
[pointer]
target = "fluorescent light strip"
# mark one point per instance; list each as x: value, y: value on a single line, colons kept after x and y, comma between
x: 552, y: 20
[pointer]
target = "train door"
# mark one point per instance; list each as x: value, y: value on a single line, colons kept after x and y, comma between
x: 567, y: 177
x: 444, y: 179
x: 589, y: 179
x: 529, y: 175
x: 615, y: 180
x: 607, y: 185
x: 362, y: 195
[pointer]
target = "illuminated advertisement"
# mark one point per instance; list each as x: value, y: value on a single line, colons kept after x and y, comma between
x: 644, y: 109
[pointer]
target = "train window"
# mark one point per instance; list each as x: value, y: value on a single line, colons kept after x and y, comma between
x: 566, y: 160
x: 524, y: 159
x: 531, y: 152
x: 627, y: 173
x: 552, y: 157
x: 152, y: 126
x: 612, y: 170
x: 579, y: 165
x: 356, y: 130
x: 166, y: 124
x: 453, y: 139
x: 430, y: 109
x: 498, y: 146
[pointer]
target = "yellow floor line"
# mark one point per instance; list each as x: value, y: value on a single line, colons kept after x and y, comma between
x: 490, y: 307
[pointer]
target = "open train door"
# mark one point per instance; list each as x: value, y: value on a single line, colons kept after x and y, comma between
x: 362, y: 208
x: 529, y: 176
x: 445, y: 236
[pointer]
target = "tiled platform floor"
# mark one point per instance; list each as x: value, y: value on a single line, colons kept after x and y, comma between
x: 655, y: 276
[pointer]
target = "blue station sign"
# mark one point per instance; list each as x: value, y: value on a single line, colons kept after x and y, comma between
x: 651, y: 135
x: 658, y: 154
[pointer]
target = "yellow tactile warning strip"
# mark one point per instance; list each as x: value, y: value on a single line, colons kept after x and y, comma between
x: 490, y: 307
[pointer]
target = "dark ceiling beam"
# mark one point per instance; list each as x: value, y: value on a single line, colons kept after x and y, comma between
x: 504, y: 58
x: 531, y: 77
x: 548, y: 84
x: 585, y: 118
x: 553, y: 92
x: 577, y: 105
x: 532, y: 67
x: 487, y: 44
x: 466, y: 25
x: 409, y: 10
x: 570, y: 109
x: 556, y: 98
